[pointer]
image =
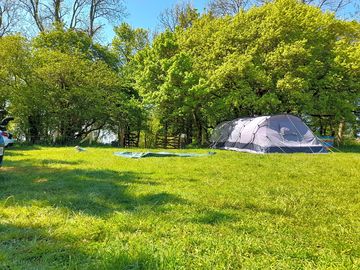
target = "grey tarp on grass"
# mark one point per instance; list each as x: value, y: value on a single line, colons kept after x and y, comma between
x: 159, y: 154
x: 267, y: 134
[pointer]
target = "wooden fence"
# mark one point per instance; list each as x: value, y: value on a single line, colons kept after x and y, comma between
x: 168, y: 142
x: 132, y: 139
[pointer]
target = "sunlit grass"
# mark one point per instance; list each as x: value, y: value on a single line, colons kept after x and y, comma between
x: 60, y: 209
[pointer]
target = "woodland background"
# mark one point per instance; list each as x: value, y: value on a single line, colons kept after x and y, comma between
x: 236, y: 58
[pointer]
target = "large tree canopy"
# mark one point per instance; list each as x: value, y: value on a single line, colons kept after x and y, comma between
x: 281, y: 57
x: 60, y: 86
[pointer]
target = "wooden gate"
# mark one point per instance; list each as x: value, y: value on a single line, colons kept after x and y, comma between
x: 168, y: 142
x: 132, y: 139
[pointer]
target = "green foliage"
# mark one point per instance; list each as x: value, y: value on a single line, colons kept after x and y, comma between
x: 62, y: 86
x: 282, y: 57
x: 78, y: 90
x: 165, y: 78
x: 74, y: 42
x: 13, y: 65
x: 126, y: 111
x: 127, y: 42
x: 187, y: 17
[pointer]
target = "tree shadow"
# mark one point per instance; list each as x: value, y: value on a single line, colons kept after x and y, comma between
x: 26, y: 245
x: 268, y: 210
x: 13, y: 153
x: 142, y: 260
x: 93, y: 192
x: 43, y: 162
x: 59, y: 162
x: 35, y: 248
x: 24, y: 147
x: 350, y: 149
x: 96, y: 193
x: 212, y: 217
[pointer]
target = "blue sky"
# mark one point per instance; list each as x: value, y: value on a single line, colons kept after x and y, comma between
x: 145, y: 13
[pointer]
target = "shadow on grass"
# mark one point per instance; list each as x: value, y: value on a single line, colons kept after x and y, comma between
x: 267, y: 210
x: 93, y: 192
x: 34, y: 247
x: 143, y: 260
x: 96, y: 193
x: 212, y: 217
x: 24, y: 147
x: 59, y: 162
x: 36, y: 164
x: 13, y: 153
x: 350, y: 149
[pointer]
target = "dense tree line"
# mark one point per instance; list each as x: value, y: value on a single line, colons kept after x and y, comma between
x: 232, y: 61
x: 61, y: 86
x: 281, y: 57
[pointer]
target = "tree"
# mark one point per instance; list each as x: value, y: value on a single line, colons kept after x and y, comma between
x: 86, y: 15
x: 128, y: 41
x: 127, y: 113
x: 111, y: 10
x: 254, y: 64
x: 59, y: 87
x: 333, y: 5
x: 181, y: 14
x: 20, y: 93
x: 35, y: 10
x: 232, y: 7
x: 77, y: 93
x: 228, y: 7
x: 9, y: 17
x: 72, y: 41
x: 14, y: 66
x: 165, y: 79
x: 81, y: 79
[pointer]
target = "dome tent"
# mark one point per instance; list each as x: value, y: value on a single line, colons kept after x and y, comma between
x: 266, y: 134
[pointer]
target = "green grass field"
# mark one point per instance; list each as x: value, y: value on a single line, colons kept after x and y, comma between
x: 60, y: 209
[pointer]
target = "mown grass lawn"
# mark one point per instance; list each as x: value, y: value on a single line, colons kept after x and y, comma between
x: 60, y: 209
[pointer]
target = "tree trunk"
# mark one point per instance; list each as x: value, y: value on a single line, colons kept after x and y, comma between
x: 189, y: 131
x: 199, y: 128
x: 121, y: 137
x: 165, y: 134
x: 34, y: 5
x: 322, y: 130
x: 92, y: 13
x: 57, y: 11
x: 34, y: 129
x: 340, y: 133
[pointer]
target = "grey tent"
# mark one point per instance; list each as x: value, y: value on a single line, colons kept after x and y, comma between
x: 266, y: 134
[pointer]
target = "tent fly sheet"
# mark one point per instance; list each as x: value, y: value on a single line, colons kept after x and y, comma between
x: 159, y: 154
x: 267, y: 134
